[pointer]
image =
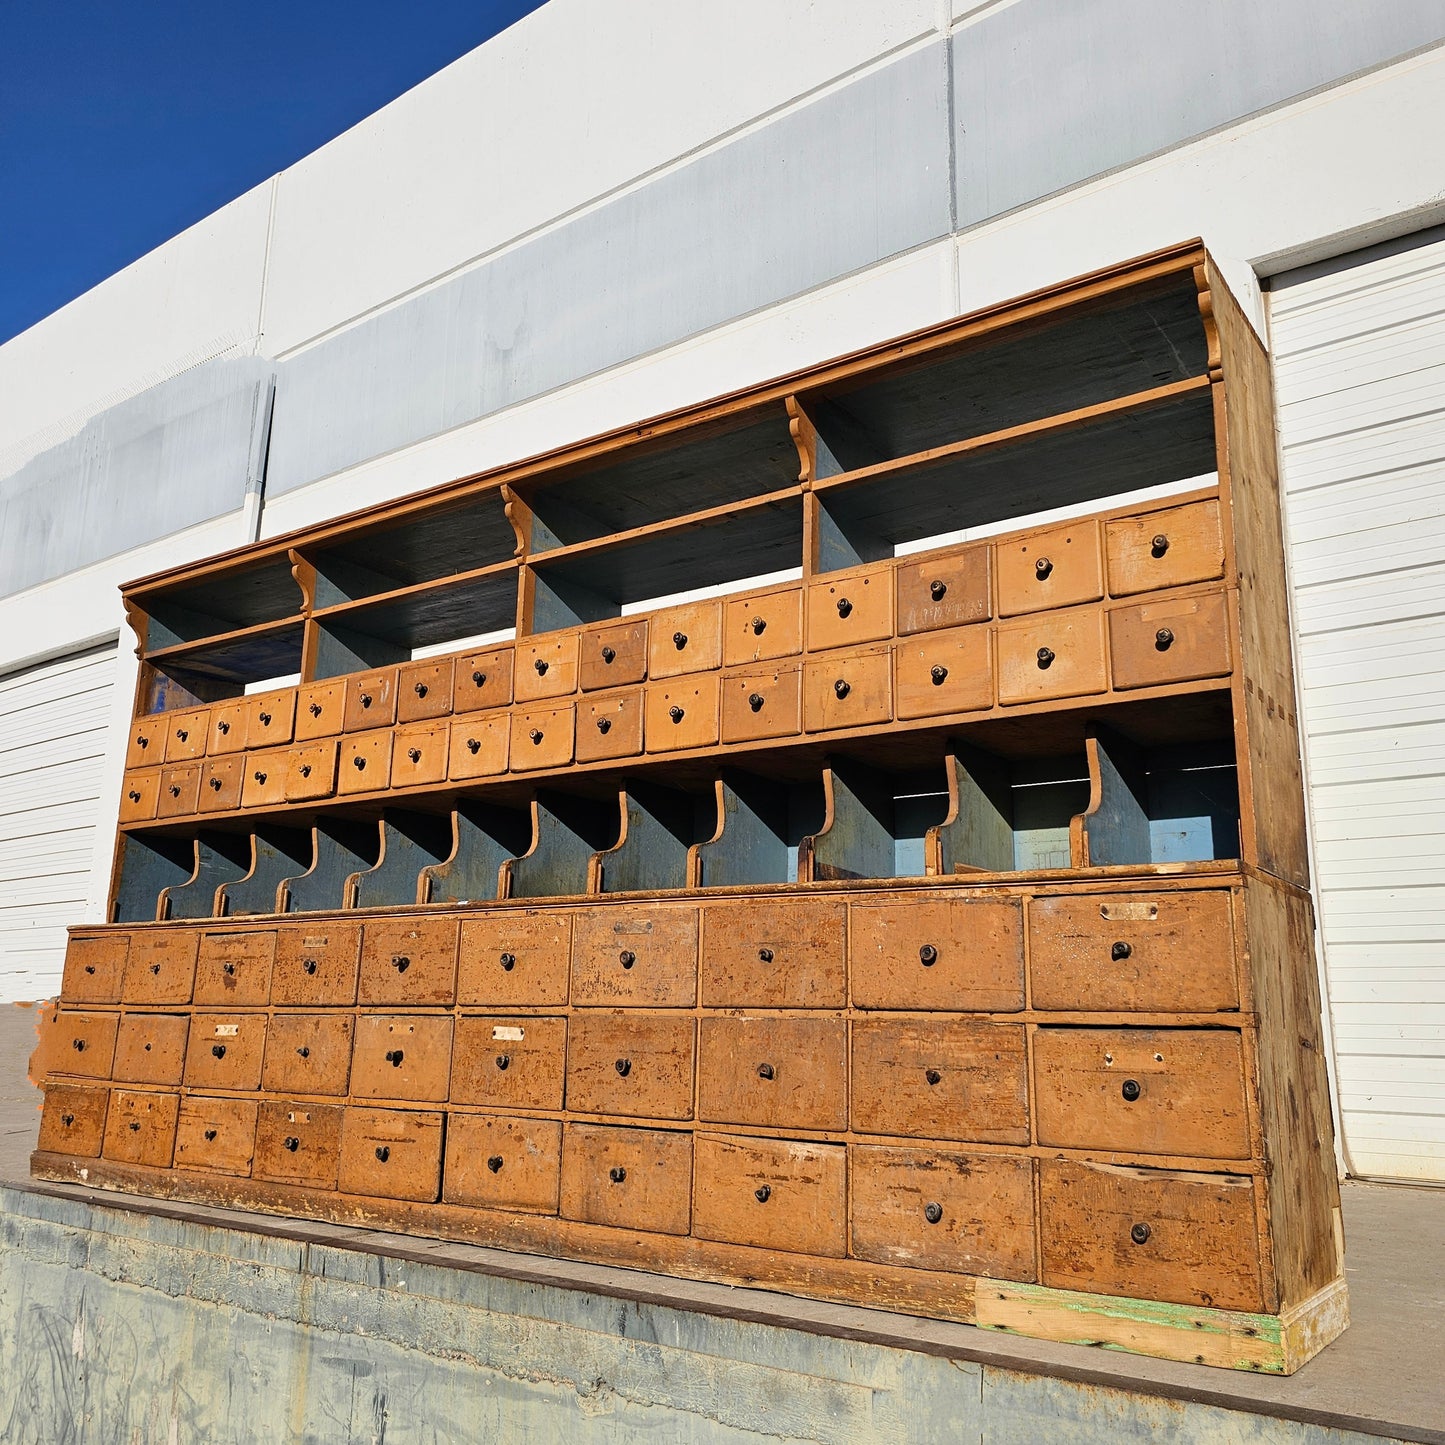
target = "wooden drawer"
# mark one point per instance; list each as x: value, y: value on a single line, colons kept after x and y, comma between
x: 186, y: 735
x: 1150, y: 1234
x: 685, y: 639
x: 73, y: 1121
x: 161, y: 966
x: 938, y: 1209
x: 151, y: 1048
x: 944, y: 672
x: 1165, y: 549
x: 545, y: 667
x: 478, y: 745
x: 225, y: 1051
x: 221, y: 782
x: 365, y: 763
x: 235, y: 968
x: 639, y: 954
x: 682, y: 713
x: 228, y: 728
x: 141, y: 1128
x: 609, y: 725
x: 482, y: 680
x: 614, y: 655
x: 272, y: 717
x: 391, y: 1154
x: 938, y: 951
x: 411, y: 962
x: 944, y: 589
x: 626, y: 1062
x: 783, y: 1073
x: 146, y: 745
x: 424, y: 690
x: 316, y: 963
x: 217, y: 1136
x: 140, y: 795
x: 773, y: 953
x: 370, y: 700
x: 509, y: 1063
x: 264, y: 784
x: 940, y: 1078
x: 402, y: 1057
x: 320, y: 709
x: 311, y: 771
x: 762, y: 704
x: 1178, y: 640
x: 1055, y: 568
x: 847, y: 608
x: 496, y: 1162
x: 627, y: 1178
x: 1133, y: 952
x: 308, y: 1054
x: 1142, y: 1091
x: 180, y: 790
x: 94, y: 967
x: 763, y: 626
x: 298, y: 1143
x: 519, y: 956
x: 419, y: 755
x: 77, y: 1043
x: 1051, y: 657
x: 542, y: 737
x: 848, y: 690
x: 773, y: 1194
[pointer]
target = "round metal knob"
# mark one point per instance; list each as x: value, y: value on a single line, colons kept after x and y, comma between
x: 291, y: 1143
x: 366, y: 699
x: 223, y: 728
x: 384, y: 1153
x: 78, y: 1045
x: 604, y: 724
x: 420, y: 689
x: 142, y: 740
x: 1120, y: 950
x: 182, y: 734
x: 541, y: 666
x: 936, y: 590
x: 359, y: 763
x: 304, y: 1052
x: 844, y: 607
x: 479, y: 678
x: 937, y: 672
x: 842, y: 688
x: 1131, y: 1090
x: 133, y: 795
x: 494, y: 1163
x: 314, y: 709
x: 1045, y: 656
x: 759, y: 626
x: 135, y: 1126
x: 765, y: 1071
x: 763, y: 1193
x: 675, y: 713
x: 215, y: 784
x: 265, y: 717
x: 474, y: 745
x: 1042, y: 568
x: 608, y: 654
x: 218, y: 1051
x: 1140, y: 1233
x: 765, y: 955
x: 932, y: 1075
x: 627, y: 958
x: 400, y: 962
x: 535, y: 735
x: 928, y: 955
x: 933, y: 1212
x: 1160, y: 545
x: 617, y: 1174
x: 67, y: 1119
x: 414, y: 754
x: 623, y: 1067
x: 502, y: 1061
x: 229, y: 968
x: 394, y: 1057
x: 679, y: 640
x: 755, y: 701
x: 309, y: 965
x: 1163, y: 639
x: 508, y: 962
x: 175, y: 790
x: 210, y: 1135
x: 305, y: 770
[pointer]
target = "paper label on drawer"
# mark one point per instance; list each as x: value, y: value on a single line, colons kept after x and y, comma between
x: 227, y: 1031
x: 632, y: 927
x: 509, y: 1032
x: 1129, y: 912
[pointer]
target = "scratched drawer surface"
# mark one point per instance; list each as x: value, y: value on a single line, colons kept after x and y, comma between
x: 772, y: 1193
x: 763, y: 626
x: 308, y: 1053
x: 297, y: 1143
x: 635, y: 955
x: 627, y: 1178
x: 767, y: 953
x: 76, y: 1042
x: 514, y: 956
x: 943, y: 589
x: 1165, y: 549
x: 217, y: 1136
x: 845, y: 608
x: 500, y: 1161
x: 402, y: 1056
x: 235, y: 968
x: 784, y: 1073
x: 225, y: 1051
x: 316, y: 963
x: 631, y: 1063
x: 73, y: 1121
x: 391, y: 1153
x: 613, y: 655
x: 150, y: 1048
x: 409, y: 962
x: 161, y: 967
x: 140, y: 1128
x: 94, y: 967
x: 509, y: 1062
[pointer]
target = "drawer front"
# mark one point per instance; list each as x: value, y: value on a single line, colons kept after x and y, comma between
x: 320, y: 709
x: 762, y: 627
x: 370, y: 700
x: 946, y: 589
x: 94, y: 967
x: 391, y: 1154
x: 782, y: 1073
x: 1055, y: 568
x: 848, y: 690
x: 630, y: 1063
x: 847, y: 608
x: 140, y: 795
x: 228, y: 728
x: 682, y: 714
x: 1150, y: 1234
x: 940, y: 1078
x: 73, y: 1121
x: 264, y: 784
x: 609, y: 726
x: 510, y: 1063
x: 146, y: 746
x: 414, y: 963
x: 685, y: 639
x: 81, y: 1044
x: 141, y: 1128
x: 612, y: 656
x: 938, y: 952
x: 221, y: 782
x: 235, y: 968
x: 628, y: 1178
x: 316, y: 964
x: 225, y: 1051
x: 271, y: 718
x: 496, y: 1162
x: 186, y: 735
x: 546, y: 667
x: 482, y: 680
x: 298, y: 1144
x: 516, y: 957
x: 773, y: 954
x: 1165, y: 549
x: 1142, y: 1091
x: 418, y: 756
x: 635, y: 955
x: 1051, y: 657
x: 424, y: 690
x: 944, y: 672
x: 402, y: 1057
x: 308, y: 1054
x: 542, y: 737
x: 180, y: 791
x: 772, y: 1193
x: 216, y: 1135
x: 311, y: 771
x: 365, y: 763
x: 766, y: 704
x: 938, y: 1209
x: 161, y: 967
x: 1174, y: 641
x: 479, y: 744
x: 1133, y: 952
x: 151, y: 1048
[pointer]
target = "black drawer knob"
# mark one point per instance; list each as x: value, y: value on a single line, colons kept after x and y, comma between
x: 400, y: 962
x: 1131, y: 1090
x: 763, y: 1193
x: 1042, y: 568
x: 936, y: 590
x: 932, y: 1075
x: 210, y: 1135
x: 627, y: 958
x: 359, y: 763
x: 679, y: 640
x: 844, y: 607
x: 933, y: 1212
x: 394, y: 1057
x: 494, y: 1163
x: 765, y: 955
x: 366, y: 699
x: 260, y: 777
x: 508, y: 962
x: 229, y: 968
x: 623, y: 1067
x: 759, y: 626
x: 414, y: 754
x: 142, y: 741
x: 384, y: 1153
x: 755, y: 701
x: 181, y: 735
x: 265, y: 717
x: 1140, y: 1233
x: 1045, y: 656
x: 617, y: 1174
x: 315, y: 710
x: 156, y: 969
x: 604, y: 724
x: 309, y: 965
x: 928, y: 955
x: 148, y: 1048
x: 1160, y: 545
x: 78, y: 1045
x: 175, y: 790
x: 479, y: 678
x: 304, y: 1052
x: 474, y: 745
x: 420, y: 689
x: 291, y: 1143
x: 937, y: 672
x: 223, y: 728
x: 135, y: 1126
x: 765, y: 1071
x: 67, y: 1119
x: 133, y: 795
x: 218, y: 1051
x: 541, y: 666
x: 502, y: 1061
x: 536, y: 736
x: 675, y: 713
x: 609, y: 655
x: 305, y: 770
x: 1120, y: 951
x: 90, y: 968
x: 842, y: 688
x: 215, y: 784
x: 1164, y: 639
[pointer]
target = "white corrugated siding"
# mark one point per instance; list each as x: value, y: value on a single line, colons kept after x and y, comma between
x: 53, y: 721
x: 1360, y: 369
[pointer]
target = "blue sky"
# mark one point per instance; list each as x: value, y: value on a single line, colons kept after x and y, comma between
x: 121, y: 125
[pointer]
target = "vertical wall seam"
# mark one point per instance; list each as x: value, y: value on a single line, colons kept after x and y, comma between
x: 955, y: 286
x: 266, y: 260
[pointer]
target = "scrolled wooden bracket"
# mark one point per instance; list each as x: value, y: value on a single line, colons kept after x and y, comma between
x: 805, y: 439
x: 519, y: 516
x: 304, y: 575
x: 1211, y: 326
x: 138, y: 622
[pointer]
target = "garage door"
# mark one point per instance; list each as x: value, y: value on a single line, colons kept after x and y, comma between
x: 52, y: 746
x: 1360, y: 362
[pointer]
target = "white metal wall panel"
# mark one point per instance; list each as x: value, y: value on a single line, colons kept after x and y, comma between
x: 53, y: 721
x: 1359, y: 356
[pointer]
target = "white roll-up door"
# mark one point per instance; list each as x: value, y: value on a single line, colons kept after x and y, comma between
x: 1359, y: 351
x: 53, y: 721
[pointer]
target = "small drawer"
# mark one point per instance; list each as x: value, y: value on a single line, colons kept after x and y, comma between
x: 936, y: 1209
x: 545, y: 667
x: 848, y: 690
x: 186, y: 735
x: 297, y: 1144
x: 271, y: 718
x: 311, y: 771
x: 75, y: 1043
x: 402, y: 1057
x: 365, y: 763
x: 635, y: 955
x: 1055, y: 568
x: 73, y: 1121
x: 1150, y: 1234
x: 140, y: 795
x: 370, y: 700
x: 225, y: 1051
x: 681, y: 713
x: 235, y: 968
x: 391, y: 1154
x: 409, y: 962
x: 542, y: 737
x: 1133, y: 952
x: 762, y: 704
x: 221, y: 783
x: 228, y: 728
x: 216, y: 1135
x: 308, y: 1054
x: 478, y: 745
x: 482, y: 679
x: 141, y: 1128
x: 320, y: 709
x: 419, y: 755
x: 782, y: 1073
x: 944, y: 589
x: 685, y: 639
x: 146, y: 746
x: 609, y: 725
x: 772, y: 1194
x: 1174, y: 641
x: 1051, y: 657
x: 424, y: 690
x: 519, y: 956
x: 940, y: 1078
x: 264, y: 784
x: 626, y: 1062
x: 944, y: 672
x: 509, y: 1063
x: 316, y: 964
x: 151, y: 1048
x: 771, y: 954
x: 94, y: 967
x: 764, y: 626
x: 938, y: 951
x: 495, y: 1162
x: 847, y: 608
x: 180, y: 790
x: 161, y: 967
x: 612, y: 656
x: 627, y: 1178
x: 1165, y: 549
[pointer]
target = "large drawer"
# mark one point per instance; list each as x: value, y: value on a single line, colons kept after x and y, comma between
x: 509, y: 1063
x: 628, y: 1178
x: 216, y: 1136
x: 234, y: 969
x: 73, y: 1121
x: 151, y: 1048
x: 1058, y: 655
x: 783, y: 1073
x: 405, y: 962
x: 225, y: 1051
x: 94, y: 967
x: 772, y: 1193
x: 297, y: 1143
x: 308, y: 1053
x: 848, y: 690
x: 644, y: 954
x: 161, y: 967
x: 519, y: 956
x: 944, y: 589
x: 140, y: 1128
x: 391, y: 1154
x: 631, y: 1063
x: 1179, y: 639
x: 503, y: 1162
x: 846, y: 608
x: 402, y: 1056
x: 1165, y: 549
x: 316, y: 963
x: 768, y: 953
x: 1057, y: 567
